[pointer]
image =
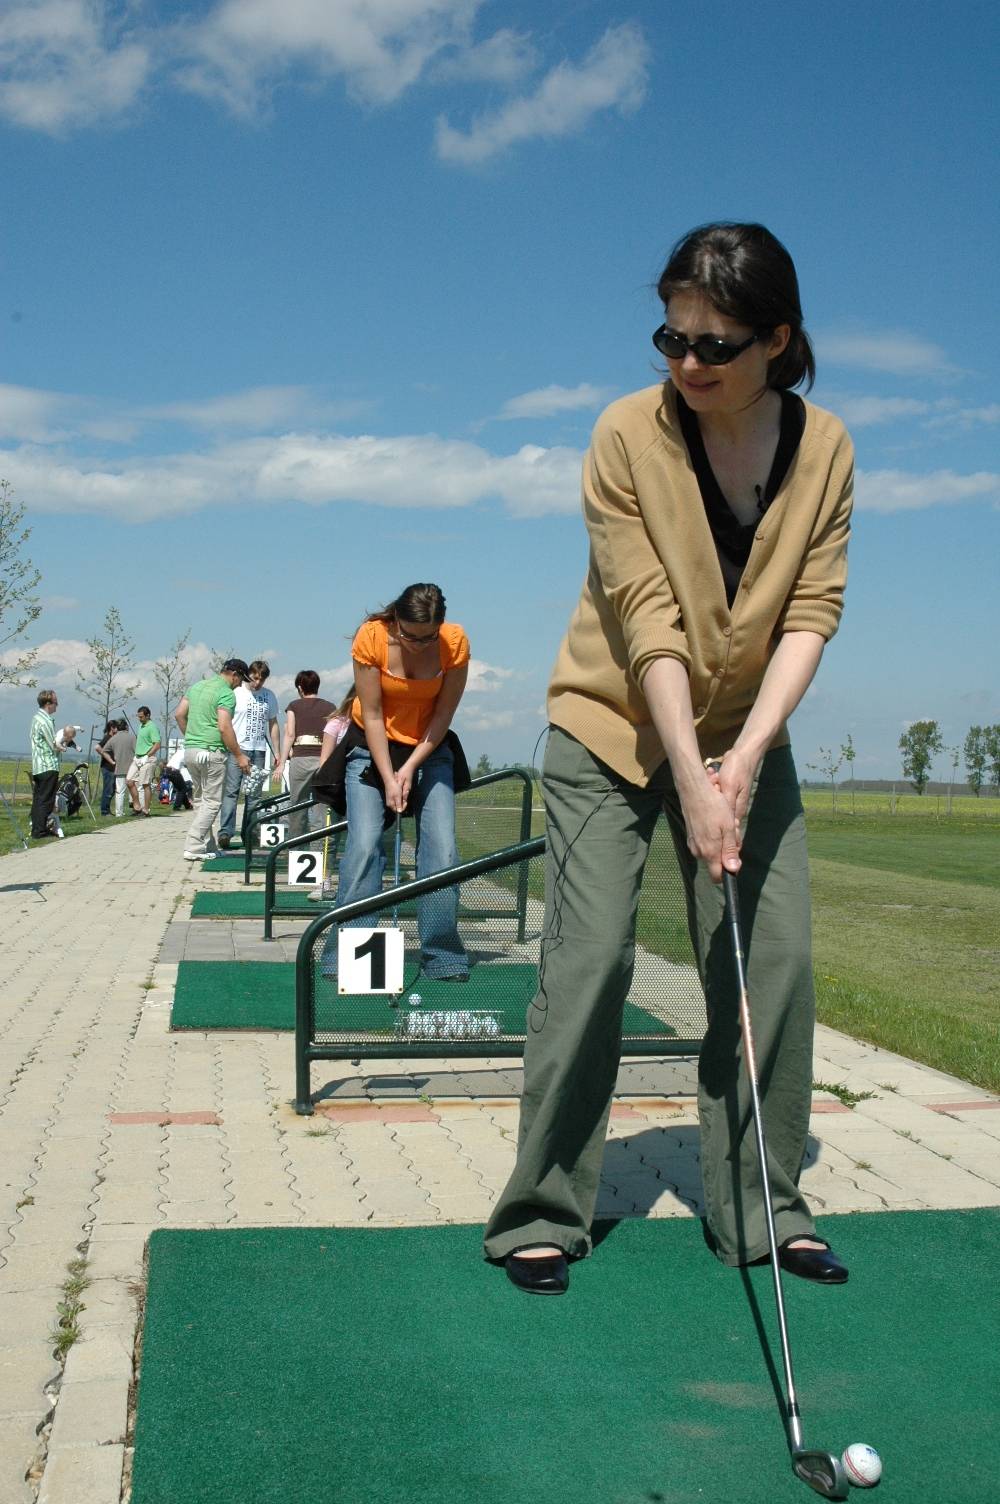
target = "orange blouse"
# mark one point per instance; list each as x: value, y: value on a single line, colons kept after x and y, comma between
x: 407, y: 704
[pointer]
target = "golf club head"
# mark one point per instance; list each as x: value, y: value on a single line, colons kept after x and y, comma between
x: 823, y: 1472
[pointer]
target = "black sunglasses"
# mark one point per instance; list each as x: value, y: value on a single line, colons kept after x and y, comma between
x: 417, y: 639
x: 711, y: 352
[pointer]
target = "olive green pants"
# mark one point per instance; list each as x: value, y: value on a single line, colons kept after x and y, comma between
x: 599, y: 831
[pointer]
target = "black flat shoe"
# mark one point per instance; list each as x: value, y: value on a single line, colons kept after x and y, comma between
x: 544, y: 1276
x: 818, y: 1264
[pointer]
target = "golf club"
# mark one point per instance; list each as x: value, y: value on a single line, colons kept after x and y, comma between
x: 11, y: 817
x: 397, y: 846
x: 823, y: 1471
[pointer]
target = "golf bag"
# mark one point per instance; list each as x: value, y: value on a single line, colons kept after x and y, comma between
x: 69, y: 798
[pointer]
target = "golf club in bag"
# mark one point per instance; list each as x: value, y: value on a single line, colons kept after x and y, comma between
x: 823, y: 1471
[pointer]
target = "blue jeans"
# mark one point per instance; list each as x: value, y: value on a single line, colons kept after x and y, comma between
x: 362, y: 866
x: 107, y: 789
x: 231, y: 793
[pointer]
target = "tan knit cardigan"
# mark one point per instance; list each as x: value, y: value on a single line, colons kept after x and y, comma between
x: 654, y: 587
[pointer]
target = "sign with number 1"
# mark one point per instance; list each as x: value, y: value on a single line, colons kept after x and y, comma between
x: 369, y: 960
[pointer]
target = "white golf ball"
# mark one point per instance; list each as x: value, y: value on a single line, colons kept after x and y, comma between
x: 862, y: 1464
x: 414, y: 999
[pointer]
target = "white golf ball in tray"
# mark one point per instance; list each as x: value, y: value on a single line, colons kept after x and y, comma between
x: 451, y: 1023
x: 862, y: 1464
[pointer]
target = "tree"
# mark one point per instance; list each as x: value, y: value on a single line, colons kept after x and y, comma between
x: 483, y: 766
x: 103, y: 681
x: 920, y: 743
x: 955, y: 753
x: 991, y: 736
x: 217, y: 657
x: 848, y: 753
x: 829, y: 766
x: 975, y: 758
x: 171, y: 673
x: 18, y: 578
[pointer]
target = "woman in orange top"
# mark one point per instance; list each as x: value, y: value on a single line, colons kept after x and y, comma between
x: 410, y: 668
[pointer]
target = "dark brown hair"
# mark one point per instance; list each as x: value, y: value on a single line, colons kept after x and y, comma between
x: 422, y: 604
x: 746, y: 273
x: 307, y: 681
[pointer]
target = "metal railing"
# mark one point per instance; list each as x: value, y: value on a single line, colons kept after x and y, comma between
x: 664, y: 1015
x: 261, y: 812
x: 306, y: 908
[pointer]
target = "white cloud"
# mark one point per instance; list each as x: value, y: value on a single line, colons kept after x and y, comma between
x: 59, y: 602
x: 258, y: 407
x: 611, y: 76
x: 893, y: 351
x: 67, y: 63
x: 863, y: 412
x: 333, y: 682
x: 503, y: 58
x: 485, y: 720
x: 968, y: 417
x: 319, y: 469
x: 486, y: 678
x: 405, y: 472
x: 31, y: 415
x: 546, y: 401
x: 57, y: 662
x: 381, y: 47
x: 41, y: 417
x: 902, y: 491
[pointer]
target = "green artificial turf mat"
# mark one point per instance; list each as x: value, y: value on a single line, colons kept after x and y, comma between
x: 234, y: 995
x: 248, y: 903
x: 226, y: 863
x: 505, y: 990
x: 392, y: 1366
x: 261, y: 995
x: 243, y: 903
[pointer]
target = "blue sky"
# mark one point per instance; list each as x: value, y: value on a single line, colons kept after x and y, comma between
x: 302, y: 301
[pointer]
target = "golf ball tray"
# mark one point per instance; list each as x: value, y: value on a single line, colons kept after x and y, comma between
x: 448, y: 1023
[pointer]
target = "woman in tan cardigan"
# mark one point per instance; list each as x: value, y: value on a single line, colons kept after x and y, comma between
x: 718, y: 508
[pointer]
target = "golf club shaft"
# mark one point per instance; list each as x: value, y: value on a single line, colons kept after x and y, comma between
x: 13, y: 821
x: 733, y: 920
x: 397, y: 844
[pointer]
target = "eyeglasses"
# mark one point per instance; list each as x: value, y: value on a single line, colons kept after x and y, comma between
x: 707, y: 349
x: 415, y: 638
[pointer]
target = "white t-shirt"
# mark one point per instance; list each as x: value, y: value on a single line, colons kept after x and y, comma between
x: 255, y: 709
x: 177, y: 762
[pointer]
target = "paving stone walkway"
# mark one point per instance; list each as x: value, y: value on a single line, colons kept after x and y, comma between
x: 112, y: 1126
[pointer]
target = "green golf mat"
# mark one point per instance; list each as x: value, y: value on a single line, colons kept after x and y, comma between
x: 248, y: 903
x: 230, y: 862
x: 261, y: 995
x: 392, y: 1366
x: 244, y: 903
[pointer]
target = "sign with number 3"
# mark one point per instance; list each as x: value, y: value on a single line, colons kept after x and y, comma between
x: 369, y: 960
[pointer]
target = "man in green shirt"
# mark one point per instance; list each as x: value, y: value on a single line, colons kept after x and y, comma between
x: 205, y: 718
x: 140, y: 773
x: 44, y: 764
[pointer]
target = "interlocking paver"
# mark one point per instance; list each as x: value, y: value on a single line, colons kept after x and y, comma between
x: 415, y: 1141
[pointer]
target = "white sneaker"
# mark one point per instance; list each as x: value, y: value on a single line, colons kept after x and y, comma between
x: 199, y: 856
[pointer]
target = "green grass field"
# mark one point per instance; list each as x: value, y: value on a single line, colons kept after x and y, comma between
x: 907, y: 938
x: 906, y: 920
